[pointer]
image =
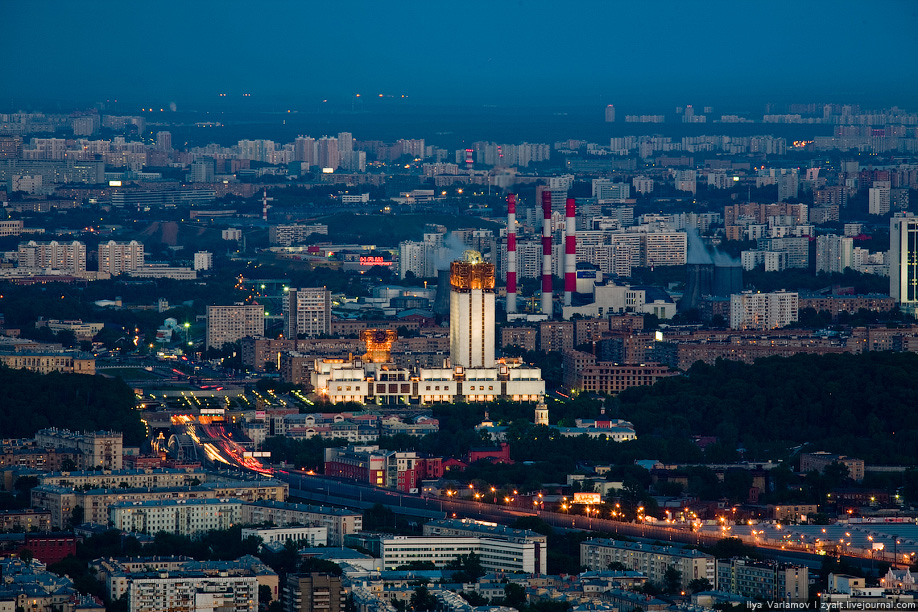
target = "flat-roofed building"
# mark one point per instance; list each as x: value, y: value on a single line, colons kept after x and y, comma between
x: 299, y: 535
x: 229, y: 324
x: 652, y: 561
x: 97, y: 448
x: 185, y: 517
x: 119, y: 257
x: 45, y: 363
x: 338, y: 522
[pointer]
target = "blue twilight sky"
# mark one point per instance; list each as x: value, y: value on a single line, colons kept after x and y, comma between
x: 518, y: 52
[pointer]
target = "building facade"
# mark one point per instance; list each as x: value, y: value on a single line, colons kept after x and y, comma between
x: 307, y: 312
x: 228, y: 324
x: 903, y: 260
x: 119, y: 257
x: 763, y: 310
x: 652, y: 561
x: 471, y: 314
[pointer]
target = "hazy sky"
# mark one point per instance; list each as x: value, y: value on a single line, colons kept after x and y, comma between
x: 469, y: 52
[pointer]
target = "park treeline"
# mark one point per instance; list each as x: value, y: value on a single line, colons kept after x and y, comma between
x: 30, y: 401
x: 859, y: 405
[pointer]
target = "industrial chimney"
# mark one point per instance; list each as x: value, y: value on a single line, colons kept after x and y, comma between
x: 546, y: 254
x: 511, y: 253
x: 570, y: 251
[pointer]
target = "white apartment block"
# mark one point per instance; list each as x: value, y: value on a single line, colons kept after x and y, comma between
x: 336, y: 521
x: 491, y: 531
x: 604, y: 190
x: 774, y: 261
x: 878, y: 198
x: 300, y: 536
x: 834, y: 253
x: 495, y: 554
x: 168, y: 592
x: 119, y: 257
x: 203, y: 260
x: 113, y: 479
x: 307, y: 312
x: 53, y: 255
x: 228, y: 324
x: 763, y: 310
x: 650, y: 560
x: 186, y: 517
x: 232, y: 233
x: 163, y: 271
x: 294, y: 233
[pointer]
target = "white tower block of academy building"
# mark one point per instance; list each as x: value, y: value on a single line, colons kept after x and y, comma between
x: 471, y: 312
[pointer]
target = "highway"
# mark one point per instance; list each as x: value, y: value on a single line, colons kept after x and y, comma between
x: 219, y: 447
x: 325, y: 490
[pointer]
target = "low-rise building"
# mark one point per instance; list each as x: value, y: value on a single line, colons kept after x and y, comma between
x: 124, y: 479
x: 95, y: 503
x: 96, y: 448
x: 167, y: 590
x: 494, y: 553
x: 650, y: 560
x: 185, y: 517
x: 493, y: 531
x: 337, y: 522
x: 300, y: 536
x: 820, y: 460
x: 766, y: 580
x: 402, y: 470
x: 45, y: 363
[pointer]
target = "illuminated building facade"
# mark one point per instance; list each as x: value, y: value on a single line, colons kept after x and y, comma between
x: 471, y: 312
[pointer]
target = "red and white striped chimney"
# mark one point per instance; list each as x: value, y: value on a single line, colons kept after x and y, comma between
x: 511, y: 253
x: 570, y: 251
x: 546, y: 254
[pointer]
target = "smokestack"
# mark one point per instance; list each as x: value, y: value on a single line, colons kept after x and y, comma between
x: 546, y: 253
x: 570, y: 251
x: 511, y: 253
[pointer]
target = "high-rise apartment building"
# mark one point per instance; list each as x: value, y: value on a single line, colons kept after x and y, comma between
x: 763, y: 310
x: 471, y: 313
x: 878, y: 198
x: 164, y: 141
x: 788, y: 185
x: 119, y: 257
x: 203, y: 260
x: 903, y: 260
x: 834, y: 253
x: 53, y: 255
x: 610, y: 114
x: 228, y: 324
x: 327, y: 152
x: 307, y: 312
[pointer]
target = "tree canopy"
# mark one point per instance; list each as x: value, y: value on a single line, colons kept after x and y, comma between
x: 30, y: 401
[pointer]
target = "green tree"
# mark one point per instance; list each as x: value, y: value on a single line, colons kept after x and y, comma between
x: 76, y: 515
x: 672, y: 579
x: 264, y: 594
x: 422, y: 600
x: 698, y: 585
